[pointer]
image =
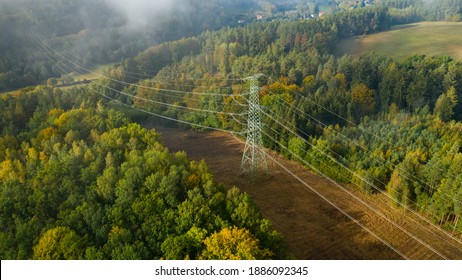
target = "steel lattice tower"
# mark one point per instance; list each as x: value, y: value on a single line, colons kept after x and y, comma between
x: 254, y: 158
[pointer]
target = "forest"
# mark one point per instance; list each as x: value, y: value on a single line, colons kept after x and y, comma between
x: 84, y: 182
x: 81, y: 179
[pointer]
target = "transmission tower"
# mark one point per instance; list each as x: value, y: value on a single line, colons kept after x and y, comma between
x: 254, y: 159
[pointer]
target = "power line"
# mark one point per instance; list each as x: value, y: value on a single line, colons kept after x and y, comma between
x: 115, y: 80
x: 346, y: 120
x: 403, y: 173
x: 339, y: 209
x: 169, y: 118
x: 331, y: 203
x: 361, y: 201
x: 317, y: 170
x: 361, y: 178
x: 168, y: 104
x: 134, y: 96
x: 48, y: 54
x: 345, y: 137
x: 370, y: 183
x: 407, y: 208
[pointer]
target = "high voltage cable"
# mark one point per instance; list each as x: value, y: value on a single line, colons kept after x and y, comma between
x: 348, y: 121
x: 332, y: 204
x: 339, y: 209
x: 348, y: 139
x: 402, y: 173
x: 384, y: 140
x: 137, y: 97
x: 317, y: 170
x: 145, y: 99
x: 181, y: 98
x: 407, y: 208
x: 123, y: 82
x: 43, y: 50
x: 360, y: 200
x: 364, y: 180
x: 161, y: 103
x: 140, y: 76
x: 137, y: 74
x: 170, y: 105
x: 360, y: 146
x: 169, y: 118
x: 158, y: 115
x: 126, y: 83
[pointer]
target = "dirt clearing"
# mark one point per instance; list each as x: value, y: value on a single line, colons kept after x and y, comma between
x: 313, y: 228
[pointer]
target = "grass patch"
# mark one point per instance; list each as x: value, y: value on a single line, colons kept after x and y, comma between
x: 95, y: 74
x: 429, y: 38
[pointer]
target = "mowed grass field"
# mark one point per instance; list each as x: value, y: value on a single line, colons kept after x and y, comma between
x: 429, y: 38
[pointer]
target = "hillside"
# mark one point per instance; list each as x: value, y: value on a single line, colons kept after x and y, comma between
x: 427, y: 38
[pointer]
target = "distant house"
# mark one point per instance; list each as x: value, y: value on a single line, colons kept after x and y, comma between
x: 259, y: 17
x: 322, y: 14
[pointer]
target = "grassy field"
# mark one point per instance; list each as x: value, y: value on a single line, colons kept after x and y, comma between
x: 95, y: 74
x: 429, y: 38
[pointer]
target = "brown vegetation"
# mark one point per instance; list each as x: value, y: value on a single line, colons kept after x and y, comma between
x: 313, y: 229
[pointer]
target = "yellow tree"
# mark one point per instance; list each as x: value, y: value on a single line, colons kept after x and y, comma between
x: 363, y: 99
x: 233, y: 244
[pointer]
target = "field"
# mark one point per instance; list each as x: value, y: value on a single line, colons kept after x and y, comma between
x: 314, y: 229
x: 429, y: 38
x: 95, y: 73
x: 91, y: 75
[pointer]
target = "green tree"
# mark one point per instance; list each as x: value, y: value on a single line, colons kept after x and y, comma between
x: 60, y: 243
x: 444, y: 107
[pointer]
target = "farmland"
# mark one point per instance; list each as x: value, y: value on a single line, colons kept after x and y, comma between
x: 428, y: 38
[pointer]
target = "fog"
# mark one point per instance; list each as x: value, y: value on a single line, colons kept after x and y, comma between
x: 141, y: 12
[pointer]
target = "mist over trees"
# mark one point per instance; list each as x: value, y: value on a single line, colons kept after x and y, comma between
x: 108, y: 31
x: 98, y: 32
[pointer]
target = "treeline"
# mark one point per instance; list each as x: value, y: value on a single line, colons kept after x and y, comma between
x: 276, y: 47
x: 279, y: 47
x: 352, y: 88
x: 85, y: 183
x: 405, y: 11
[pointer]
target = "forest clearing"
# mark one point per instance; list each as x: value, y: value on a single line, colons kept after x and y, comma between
x: 312, y: 228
